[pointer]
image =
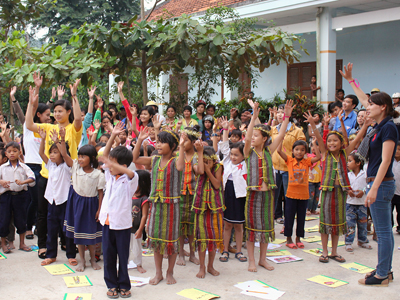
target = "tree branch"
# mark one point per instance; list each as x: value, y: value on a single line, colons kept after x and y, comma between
x: 154, y: 6
x: 160, y: 61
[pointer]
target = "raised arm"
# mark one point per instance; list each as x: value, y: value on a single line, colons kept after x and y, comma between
x: 348, y: 75
x: 249, y: 134
x: 287, y: 113
x: 61, y: 145
x: 215, y: 180
x: 33, y: 101
x: 76, y: 108
x: 199, y: 168
x: 16, y: 107
x: 43, y: 155
x: 117, y: 167
x: 344, y: 130
x: 359, y: 136
x: 309, y: 118
x: 142, y: 160
x: 134, y: 113
x: 281, y: 153
x: 180, y: 162
x: 317, y: 152
x: 115, y: 132
x: 124, y: 102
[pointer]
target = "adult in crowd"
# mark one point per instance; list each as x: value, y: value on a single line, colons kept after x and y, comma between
x: 154, y: 105
x: 171, y: 119
x: 200, y: 113
x: 349, y: 103
x: 187, y: 120
x: 379, y: 147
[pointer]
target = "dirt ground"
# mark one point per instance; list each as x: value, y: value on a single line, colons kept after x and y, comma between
x: 22, y: 277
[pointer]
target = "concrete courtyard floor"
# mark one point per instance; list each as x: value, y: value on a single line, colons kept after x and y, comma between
x: 22, y: 277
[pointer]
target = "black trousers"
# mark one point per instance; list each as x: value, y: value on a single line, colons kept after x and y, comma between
x: 295, y: 207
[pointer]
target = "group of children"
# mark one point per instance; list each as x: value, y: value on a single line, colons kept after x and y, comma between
x: 186, y: 190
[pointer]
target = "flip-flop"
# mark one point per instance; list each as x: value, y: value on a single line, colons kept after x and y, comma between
x: 27, y: 249
x: 324, y: 259
x: 337, y: 258
x: 7, y: 251
x: 124, y: 293
x: 365, y: 246
x: 72, y: 261
x: 113, y: 291
x: 48, y: 261
x: 300, y: 245
x: 29, y: 236
x: 292, y: 246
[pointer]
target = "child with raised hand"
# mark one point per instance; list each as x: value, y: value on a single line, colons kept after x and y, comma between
x: 116, y: 215
x: 334, y: 185
x: 297, y: 194
x: 15, y: 177
x: 140, y: 212
x: 83, y: 206
x: 165, y: 193
x: 208, y: 207
x: 356, y: 211
x: 188, y: 190
x: 259, y: 208
x: 234, y: 183
x: 59, y: 165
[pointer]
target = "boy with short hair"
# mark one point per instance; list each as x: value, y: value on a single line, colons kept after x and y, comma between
x: 236, y: 136
x: 116, y: 216
x: 14, y: 178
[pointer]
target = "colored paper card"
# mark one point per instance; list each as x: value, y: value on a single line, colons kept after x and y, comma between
x: 263, y: 293
x: 312, y: 229
x: 278, y: 253
x: 279, y: 241
x: 2, y: 256
x: 76, y: 296
x: 273, y: 246
x: 312, y: 239
x: 139, y: 281
x: 60, y: 269
x: 327, y: 281
x: 196, y: 294
x: 316, y: 252
x: 147, y: 252
x: 284, y: 259
x: 356, y: 267
x: 35, y: 248
x: 309, y: 218
x: 340, y: 243
x: 248, y: 285
x: 77, y: 281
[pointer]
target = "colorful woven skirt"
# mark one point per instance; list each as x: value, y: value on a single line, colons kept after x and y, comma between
x: 80, y: 219
x: 333, y: 212
x: 163, y: 227
x: 187, y: 215
x: 259, y: 215
x: 209, y: 231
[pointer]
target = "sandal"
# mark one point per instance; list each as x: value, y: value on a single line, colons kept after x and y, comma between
x: 48, y: 261
x: 364, y: 245
x: 324, y: 259
x: 224, y: 257
x: 125, y: 293
x: 349, y: 248
x: 300, y: 245
x: 29, y: 236
x: 73, y: 261
x: 292, y: 246
x: 42, y: 255
x: 112, y: 293
x: 240, y: 257
x: 337, y: 258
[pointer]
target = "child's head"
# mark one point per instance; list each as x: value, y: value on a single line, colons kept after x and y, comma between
x: 144, y: 183
x: 334, y: 141
x: 193, y: 134
x: 260, y: 135
x: 187, y: 111
x: 146, y: 113
x: 335, y: 107
x: 171, y: 111
x: 317, y: 118
x: 100, y: 145
x: 55, y: 154
x: 87, y: 156
x: 104, y: 138
x: 397, y: 154
x: 210, y: 109
x: 313, y: 79
x: 208, y: 122
x: 63, y: 111
x: 236, y: 156
x: 122, y: 156
x: 209, y: 155
x: 340, y: 94
x: 236, y: 136
x: 362, y: 114
x: 314, y: 147
x: 299, y: 149
x: 152, y: 131
x: 355, y: 162
x: 123, y: 136
x: 105, y: 122
x: 3, y: 157
x: 167, y: 142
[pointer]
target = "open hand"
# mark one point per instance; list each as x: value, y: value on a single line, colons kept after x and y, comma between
x: 144, y: 134
x: 42, y: 133
x: 37, y: 79
x: 288, y: 108
x: 120, y: 85
x: 13, y: 91
x: 61, y: 132
x: 348, y: 72
x: 91, y: 91
x: 74, y: 87
x: 54, y: 136
x: 60, y: 92
x: 119, y: 128
x: 224, y: 122
x: 97, y: 124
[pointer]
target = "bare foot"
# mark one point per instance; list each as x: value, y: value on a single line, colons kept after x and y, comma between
x: 156, y: 279
x: 5, y: 249
x: 194, y: 259
x: 11, y: 245
x: 186, y: 253
x: 266, y: 265
x: 94, y: 264
x: 141, y: 270
x: 181, y: 261
x: 202, y: 273
x: 212, y: 271
x: 252, y: 267
x: 170, y: 278
x: 81, y: 267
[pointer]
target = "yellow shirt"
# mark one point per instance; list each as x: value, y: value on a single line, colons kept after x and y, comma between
x: 190, y: 124
x: 72, y: 138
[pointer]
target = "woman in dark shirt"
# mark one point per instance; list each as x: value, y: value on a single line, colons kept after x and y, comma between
x: 379, y: 146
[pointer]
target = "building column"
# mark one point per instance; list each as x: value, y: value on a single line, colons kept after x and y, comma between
x: 326, y: 60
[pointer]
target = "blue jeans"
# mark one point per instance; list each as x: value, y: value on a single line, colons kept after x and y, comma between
x: 381, y: 211
x: 313, y: 188
x: 356, y: 215
x: 281, y: 180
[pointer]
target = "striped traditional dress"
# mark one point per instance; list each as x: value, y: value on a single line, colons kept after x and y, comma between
x: 164, y: 216
x: 187, y: 194
x: 333, y: 196
x: 208, y: 206
x: 259, y: 209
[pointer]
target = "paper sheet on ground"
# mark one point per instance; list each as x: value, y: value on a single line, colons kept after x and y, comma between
x: 340, y: 243
x: 312, y: 229
x: 197, y: 294
x: 279, y: 241
x: 278, y: 252
x: 356, y: 267
x: 316, y: 251
x: 77, y: 281
x: 259, y: 289
x: 270, y: 245
x: 327, y: 281
x: 310, y: 218
x: 312, y: 239
x: 76, y: 296
x: 147, y: 252
x: 139, y: 281
x: 284, y: 259
x: 60, y: 269
x: 2, y: 256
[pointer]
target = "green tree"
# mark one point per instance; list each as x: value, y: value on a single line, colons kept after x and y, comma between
x: 75, y: 13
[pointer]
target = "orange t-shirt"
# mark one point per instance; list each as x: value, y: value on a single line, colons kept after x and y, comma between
x: 298, y: 178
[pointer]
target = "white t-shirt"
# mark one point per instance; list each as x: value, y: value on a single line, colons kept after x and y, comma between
x: 31, y: 146
x: 396, y: 172
x: 358, y: 182
x: 58, y: 184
